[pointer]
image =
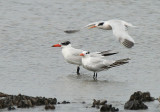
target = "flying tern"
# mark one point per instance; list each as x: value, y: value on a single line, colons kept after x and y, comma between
x: 119, y: 28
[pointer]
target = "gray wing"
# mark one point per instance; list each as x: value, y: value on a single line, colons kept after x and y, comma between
x: 107, y: 53
x: 119, y: 30
x: 99, y: 63
x: 103, y: 53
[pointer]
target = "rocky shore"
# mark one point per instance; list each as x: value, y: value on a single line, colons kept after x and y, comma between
x: 11, y: 102
x: 104, y: 107
x: 23, y: 101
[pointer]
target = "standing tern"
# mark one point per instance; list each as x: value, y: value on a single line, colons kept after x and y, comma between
x: 97, y: 64
x: 71, y: 55
x: 119, y: 28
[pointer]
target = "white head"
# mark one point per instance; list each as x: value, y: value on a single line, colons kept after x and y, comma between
x: 85, y: 53
x: 101, y: 25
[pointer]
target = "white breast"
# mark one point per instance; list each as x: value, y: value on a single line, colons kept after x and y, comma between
x: 72, y: 56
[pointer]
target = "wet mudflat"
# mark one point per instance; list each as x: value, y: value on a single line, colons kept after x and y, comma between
x: 30, y: 66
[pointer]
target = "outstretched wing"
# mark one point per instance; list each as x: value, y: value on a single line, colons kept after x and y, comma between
x: 87, y: 26
x: 119, y: 30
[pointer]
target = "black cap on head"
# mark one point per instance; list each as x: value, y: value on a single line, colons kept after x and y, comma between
x: 66, y: 43
x: 100, y: 24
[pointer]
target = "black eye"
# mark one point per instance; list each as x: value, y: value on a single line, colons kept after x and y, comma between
x: 87, y: 52
x: 66, y: 43
x: 100, y: 24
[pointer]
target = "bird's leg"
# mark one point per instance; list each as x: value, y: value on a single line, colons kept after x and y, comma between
x: 94, y: 76
x: 78, y: 68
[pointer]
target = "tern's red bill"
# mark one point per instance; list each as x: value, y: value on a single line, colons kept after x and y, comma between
x: 81, y: 54
x: 56, y: 45
x: 92, y: 27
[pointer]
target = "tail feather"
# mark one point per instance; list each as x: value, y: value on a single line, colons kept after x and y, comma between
x: 119, y: 62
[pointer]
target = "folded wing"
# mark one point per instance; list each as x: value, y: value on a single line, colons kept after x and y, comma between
x: 103, y: 53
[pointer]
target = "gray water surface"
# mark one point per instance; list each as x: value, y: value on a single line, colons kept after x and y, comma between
x: 29, y: 65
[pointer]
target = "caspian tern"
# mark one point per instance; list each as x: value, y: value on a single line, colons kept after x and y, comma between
x: 97, y: 64
x: 71, y: 55
x: 119, y: 28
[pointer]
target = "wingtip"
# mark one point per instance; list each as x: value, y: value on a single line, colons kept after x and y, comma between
x: 71, y: 31
x: 128, y: 43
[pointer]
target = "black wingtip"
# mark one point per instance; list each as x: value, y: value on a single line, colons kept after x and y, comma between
x: 127, y: 43
x: 71, y: 31
x: 109, y: 54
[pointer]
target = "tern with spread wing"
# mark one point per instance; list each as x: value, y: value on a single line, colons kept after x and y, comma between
x: 71, y: 55
x: 97, y: 64
x: 119, y: 28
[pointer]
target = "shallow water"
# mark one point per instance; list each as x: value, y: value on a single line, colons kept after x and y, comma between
x: 29, y: 65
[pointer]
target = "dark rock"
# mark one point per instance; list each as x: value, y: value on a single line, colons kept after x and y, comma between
x: 103, y: 102
x: 95, y: 102
x: 65, y: 102
x: 23, y: 104
x: 14, y: 100
x: 11, y: 108
x: 49, y: 106
x: 46, y: 107
x: 30, y: 103
x: 83, y: 102
x: 136, y: 100
x: 1, y: 104
x: 33, y: 101
x: 40, y: 101
x: 105, y: 108
x: 135, y: 105
x: 24, y: 97
x: 46, y: 102
x: 52, y: 100
x: 108, y: 108
x: 145, y: 96
x: 3, y: 95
